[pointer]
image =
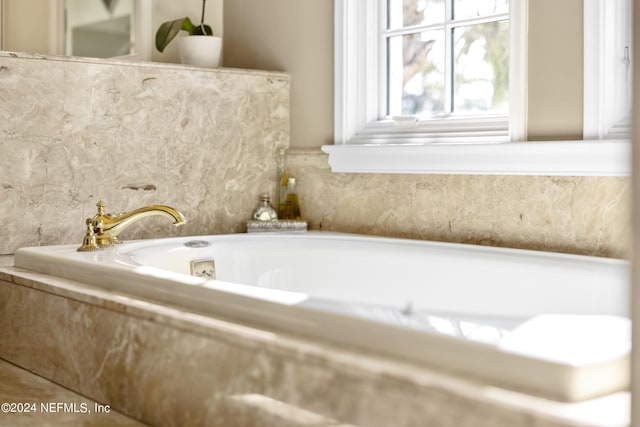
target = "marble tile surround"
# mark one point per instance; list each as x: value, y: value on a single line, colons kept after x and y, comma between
x: 167, y: 367
x: 133, y: 134
x: 205, y: 142
x: 581, y: 215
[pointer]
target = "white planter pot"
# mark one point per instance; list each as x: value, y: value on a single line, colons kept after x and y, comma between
x: 200, y: 51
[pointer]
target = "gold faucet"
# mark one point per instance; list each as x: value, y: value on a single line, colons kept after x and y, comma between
x: 103, y: 229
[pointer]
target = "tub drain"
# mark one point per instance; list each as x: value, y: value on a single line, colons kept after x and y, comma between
x: 197, y: 244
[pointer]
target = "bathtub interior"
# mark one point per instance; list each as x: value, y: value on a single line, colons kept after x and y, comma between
x: 411, y: 276
x: 361, y: 280
x: 475, y: 293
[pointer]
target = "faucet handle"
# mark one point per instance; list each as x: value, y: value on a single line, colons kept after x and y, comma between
x: 100, y: 206
x: 108, y: 215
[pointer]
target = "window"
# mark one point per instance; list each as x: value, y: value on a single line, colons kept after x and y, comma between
x: 405, y: 70
x: 395, y: 125
x: 445, y: 58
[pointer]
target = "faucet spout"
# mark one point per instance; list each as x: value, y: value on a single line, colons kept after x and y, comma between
x: 103, y: 229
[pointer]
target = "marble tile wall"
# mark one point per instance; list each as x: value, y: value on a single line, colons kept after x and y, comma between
x: 133, y: 134
x: 166, y: 367
x: 583, y: 215
x: 206, y: 141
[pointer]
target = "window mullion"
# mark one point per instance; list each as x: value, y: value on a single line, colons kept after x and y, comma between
x: 383, y: 60
x: 413, y: 29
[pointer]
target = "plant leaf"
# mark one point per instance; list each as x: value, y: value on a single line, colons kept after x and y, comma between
x: 198, y: 30
x: 188, y: 26
x: 169, y: 30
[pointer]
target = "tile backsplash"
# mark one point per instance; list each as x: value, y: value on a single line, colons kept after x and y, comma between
x: 581, y: 215
x: 73, y: 132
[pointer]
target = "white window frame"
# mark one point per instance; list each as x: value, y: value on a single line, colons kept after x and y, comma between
x: 363, y: 144
x: 603, y: 115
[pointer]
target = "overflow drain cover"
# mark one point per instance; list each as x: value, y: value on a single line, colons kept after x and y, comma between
x: 205, y: 268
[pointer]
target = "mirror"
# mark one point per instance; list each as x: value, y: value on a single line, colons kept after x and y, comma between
x: 101, y: 29
x: 89, y: 28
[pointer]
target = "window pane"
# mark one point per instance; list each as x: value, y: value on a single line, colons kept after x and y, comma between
x: 474, y: 8
x: 406, y: 13
x: 416, y: 74
x: 481, y: 68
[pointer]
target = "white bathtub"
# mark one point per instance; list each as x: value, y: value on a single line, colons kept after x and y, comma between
x: 551, y: 324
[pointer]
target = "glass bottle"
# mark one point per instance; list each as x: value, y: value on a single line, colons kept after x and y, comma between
x: 265, y: 212
x: 292, y: 205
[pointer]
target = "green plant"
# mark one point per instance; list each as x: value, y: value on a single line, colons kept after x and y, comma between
x: 170, y: 29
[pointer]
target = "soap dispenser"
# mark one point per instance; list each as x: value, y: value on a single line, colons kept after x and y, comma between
x: 265, y: 212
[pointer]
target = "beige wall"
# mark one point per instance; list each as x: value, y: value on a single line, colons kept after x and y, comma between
x: 555, y: 69
x: 297, y: 37
x: 24, y: 30
x: 293, y: 36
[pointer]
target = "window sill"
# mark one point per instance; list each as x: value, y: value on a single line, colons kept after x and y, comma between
x: 551, y: 158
